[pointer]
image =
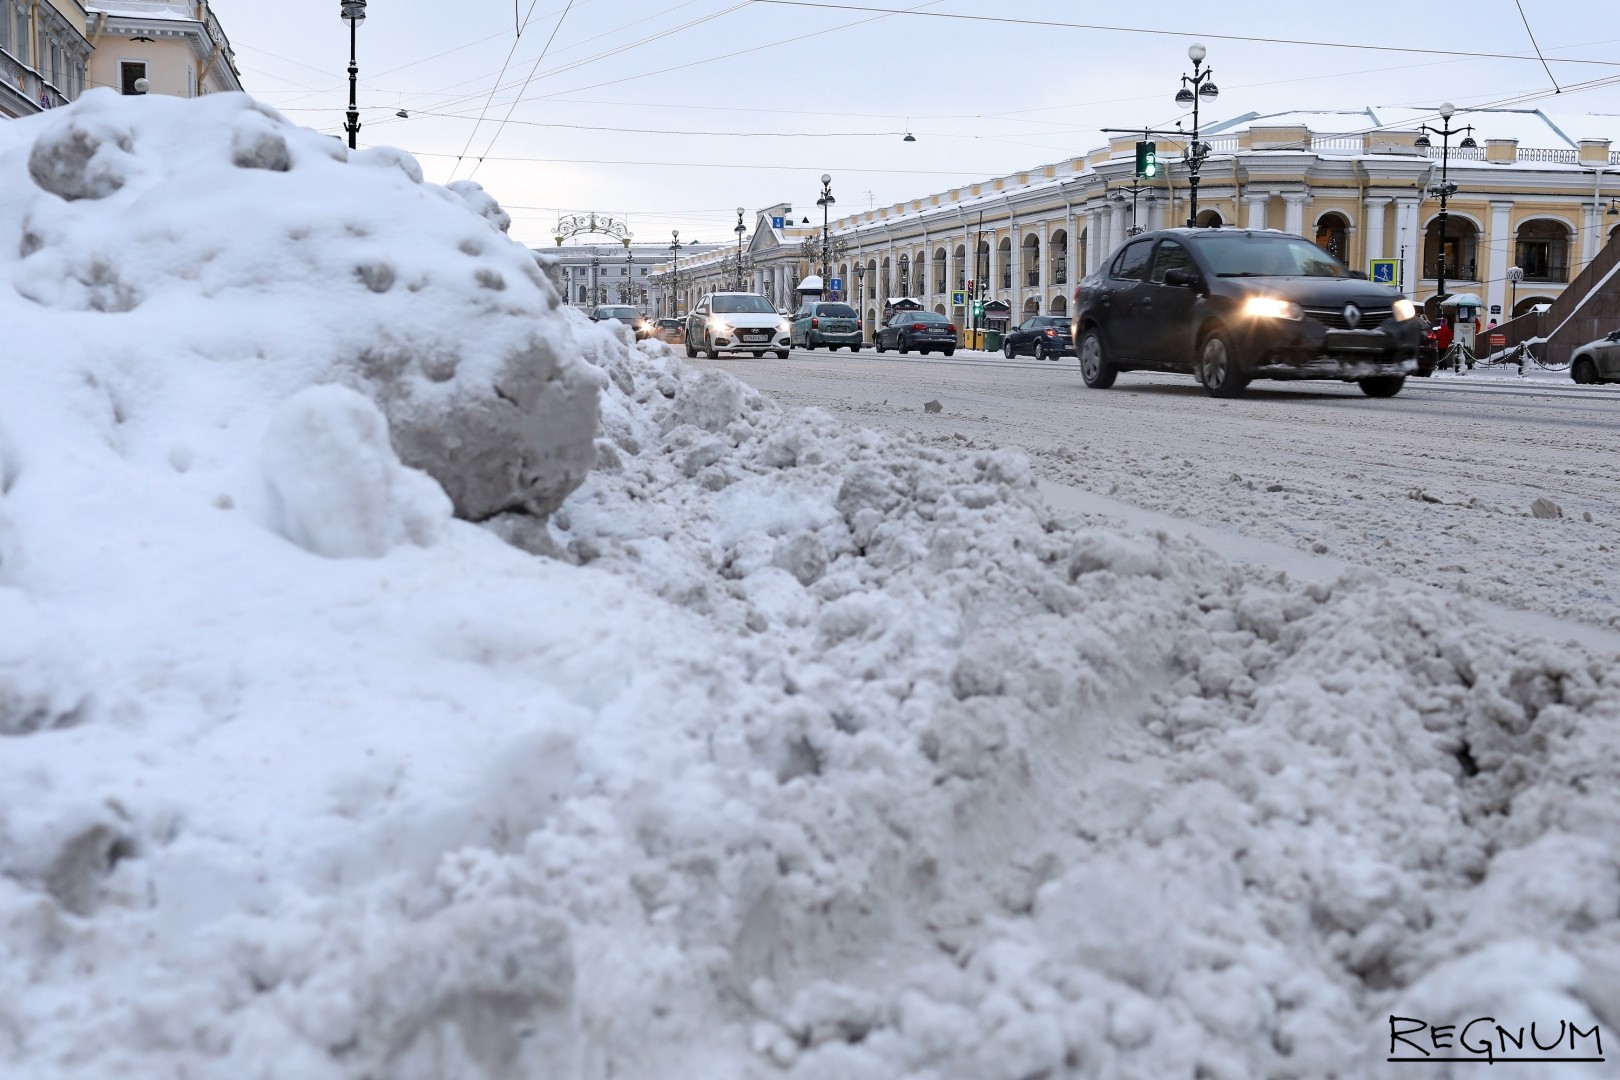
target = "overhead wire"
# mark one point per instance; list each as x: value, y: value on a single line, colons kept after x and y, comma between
x: 474, y: 132
x: 1533, y: 42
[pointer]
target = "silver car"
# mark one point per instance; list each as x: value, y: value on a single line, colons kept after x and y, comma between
x: 1597, y: 361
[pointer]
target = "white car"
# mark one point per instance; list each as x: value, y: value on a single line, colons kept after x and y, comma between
x: 1597, y: 361
x: 736, y: 322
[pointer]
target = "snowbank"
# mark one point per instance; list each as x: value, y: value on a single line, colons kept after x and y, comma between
x: 817, y: 753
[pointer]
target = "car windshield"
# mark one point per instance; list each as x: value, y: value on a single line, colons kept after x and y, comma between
x: 1238, y: 255
x: 617, y: 313
x: 835, y: 311
x: 669, y: 324
x: 743, y: 305
x: 1051, y: 320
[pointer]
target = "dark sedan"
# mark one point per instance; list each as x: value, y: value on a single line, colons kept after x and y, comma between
x: 924, y: 331
x: 626, y: 314
x: 1232, y: 305
x: 1045, y: 337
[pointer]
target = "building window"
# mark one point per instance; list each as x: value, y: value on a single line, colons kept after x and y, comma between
x: 128, y: 72
x: 22, y: 35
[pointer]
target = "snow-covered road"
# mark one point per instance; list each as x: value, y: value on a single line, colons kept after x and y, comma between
x: 1434, y: 485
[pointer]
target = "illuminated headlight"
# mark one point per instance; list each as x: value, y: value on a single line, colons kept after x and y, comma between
x: 1269, y: 307
x: 1404, y: 310
x: 785, y: 327
x: 719, y: 327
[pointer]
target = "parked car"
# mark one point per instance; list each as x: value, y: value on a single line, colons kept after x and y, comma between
x: 1045, y: 337
x: 736, y: 322
x: 924, y: 331
x: 1597, y: 361
x: 1233, y: 305
x: 829, y: 323
x: 632, y: 318
x: 670, y: 330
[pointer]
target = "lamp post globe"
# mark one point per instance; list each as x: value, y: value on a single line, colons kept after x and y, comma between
x: 1196, y: 53
x: 1446, y: 110
x: 739, y: 231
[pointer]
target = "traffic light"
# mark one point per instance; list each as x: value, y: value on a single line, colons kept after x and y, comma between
x: 1147, y: 159
x: 978, y: 309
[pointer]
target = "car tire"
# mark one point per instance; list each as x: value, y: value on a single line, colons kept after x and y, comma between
x: 1218, y: 367
x: 691, y: 351
x: 950, y: 352
x: 1381, y: 386
x: 1584, y: 372
x: 854, y: 348
x: 879, y: 346
x: 781, y: 354
x: 712, y: 353
x: 759, y: 354
x: 1095, y: 369
x: 903, y: 346
x: 1007, y: 350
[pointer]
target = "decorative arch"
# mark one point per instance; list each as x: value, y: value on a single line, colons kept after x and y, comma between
x: 939, y: 309
x: 1614, y: 234
x: 1542, y: 248
x: 1032, y: 306
x: 1030, y: 261
x: 1209, y: 219
x: 941, y: 274
x: 1460, y: 245
x: 1523, y: 306
x: 1333, y: 235
x: 1058, y: 253
x: 1058, y: 305
x: 1004, y: 256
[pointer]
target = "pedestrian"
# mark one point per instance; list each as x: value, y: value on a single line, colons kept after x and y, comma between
x: 1442, y: 341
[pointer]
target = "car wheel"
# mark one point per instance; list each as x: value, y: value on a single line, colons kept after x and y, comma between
x: 759, y: 352
x: 904, y: 346
x: 1007, y: 350
x: 781, y: 354
x: 712, y: 353
x: 691, y: 351
x: 1218, y: 366
x: 1584, y: 372
x: 879, y: 345
x: 854, y: 348
x: 950, y: 352
x: 1095, y: 369
x: 1383, y: 385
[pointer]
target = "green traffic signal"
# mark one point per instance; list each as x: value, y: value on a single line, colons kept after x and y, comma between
x: 1147, y: 159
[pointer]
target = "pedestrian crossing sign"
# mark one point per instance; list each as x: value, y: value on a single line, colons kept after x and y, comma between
x: 958, y: 298
x: 779, y: 222
x: 1383, y: 271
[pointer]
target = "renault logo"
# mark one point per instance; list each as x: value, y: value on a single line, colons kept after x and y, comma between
x: 1352, y: 315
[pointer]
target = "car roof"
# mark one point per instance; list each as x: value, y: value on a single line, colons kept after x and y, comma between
x: 1225, y: 230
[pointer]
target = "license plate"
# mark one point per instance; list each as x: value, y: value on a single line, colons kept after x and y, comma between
x: 756, y: 335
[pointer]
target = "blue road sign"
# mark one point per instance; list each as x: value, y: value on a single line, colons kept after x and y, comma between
x: 835, y: 284
x: 778, y: 222
x: 1382, y: 270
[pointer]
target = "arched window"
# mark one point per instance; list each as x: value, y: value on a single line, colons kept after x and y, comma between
x: 941, y: 284
x: 1083, y: 253
x: 1060, y: 257
x: 1332, y: 233
x: 1541, y: 250
x: 1210, y: 219
x: 1004, y: 255
x: 1032, y: 306
x: 1032, y: 262
x: 1461, y: 247
x: 961, y: 266
x: 1058, y: 306
x: 1526, y: 303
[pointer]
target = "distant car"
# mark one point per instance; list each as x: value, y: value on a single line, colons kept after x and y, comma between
x: 829, y: 323
x: 736, y: 322
x: 924, y: 331
x: 1045, y: 337
x: 1232, y: 305
x: 670, y: 330
x: 1597, y: 361
x: 632, y: 318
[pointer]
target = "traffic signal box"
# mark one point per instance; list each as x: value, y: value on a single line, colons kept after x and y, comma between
x: 1147, y: 159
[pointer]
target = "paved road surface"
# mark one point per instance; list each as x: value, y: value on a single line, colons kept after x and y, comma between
x: 1435, y: 484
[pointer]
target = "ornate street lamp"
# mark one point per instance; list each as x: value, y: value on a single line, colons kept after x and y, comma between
x: 1117, y: 195
x: 905, y: 277
x: 825, y: 202
x: 860, y: 296
x: 1201, y: 84
x: 675, y: 274
x: 1445, y: 189
x: 739, y: 231
x: 1514, y: 275
x: 355, y: 12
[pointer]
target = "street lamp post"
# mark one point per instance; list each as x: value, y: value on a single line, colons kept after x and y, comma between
x: 1445, y: 188
x: 675, y: 274
x: 1118, y: 195
x: 860, y: 296
x: 905, y: 277
x: 355, y: 12
x: 825, y: 202
x: 1201, y: 84
x: 739, y: 230
x: 1514, y: 275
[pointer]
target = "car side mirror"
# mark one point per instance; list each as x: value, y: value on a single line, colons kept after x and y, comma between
x: 1181, y: 276
x: 1615, y: 336
x: 1358, y: 275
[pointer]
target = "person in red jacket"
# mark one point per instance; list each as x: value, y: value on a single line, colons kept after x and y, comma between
x: 1442, y: 341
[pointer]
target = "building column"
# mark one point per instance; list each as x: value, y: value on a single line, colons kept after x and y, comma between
x: 1042, y: 257
x: 1294, y: 213
x: 1096, y: 243
x: 1373, y: 209
x: 1259, y: 207
x: 1072, y: 254
x: 1593, y: 236
x: 1500, y: 239
x: 1116, y: 226
x: 1409, y: 243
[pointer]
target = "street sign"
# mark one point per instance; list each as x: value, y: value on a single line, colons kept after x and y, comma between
x: 1383, y: 271
x: 1496, y: 309
x: 778, y: 222
x: 1498, y: 339
x: 836, y: 284
x: 958, y: 298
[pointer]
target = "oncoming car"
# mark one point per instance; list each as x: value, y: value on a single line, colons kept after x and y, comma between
x: 736, y: 322
x: 669, y: 330
x: 632, y: 318
x: 1233, y: 305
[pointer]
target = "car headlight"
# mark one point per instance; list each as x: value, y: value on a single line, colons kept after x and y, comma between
x: 784, y: 327
x: 1404, y: 310
x: 719, y: 327
x: 1270, y: 307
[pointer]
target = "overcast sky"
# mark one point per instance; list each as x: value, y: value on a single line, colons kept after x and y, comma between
x: 672, y: 114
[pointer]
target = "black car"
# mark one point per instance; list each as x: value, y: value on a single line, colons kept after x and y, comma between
x: 632, y: 318
x: 1232, y: 305
x: 1045, y: 337
x: 924, y: 331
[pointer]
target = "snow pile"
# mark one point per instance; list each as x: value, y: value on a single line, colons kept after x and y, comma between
x: 816, y: 753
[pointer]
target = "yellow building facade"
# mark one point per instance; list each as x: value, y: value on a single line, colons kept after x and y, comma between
x: 44, y: 55
x: 178, y: 47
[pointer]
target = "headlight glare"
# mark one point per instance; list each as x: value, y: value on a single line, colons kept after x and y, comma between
x: 1404, y: 310
x: 1270, y: 307
x: 719, y: 326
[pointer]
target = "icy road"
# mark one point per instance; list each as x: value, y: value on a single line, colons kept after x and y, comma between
x: 1434, y: 486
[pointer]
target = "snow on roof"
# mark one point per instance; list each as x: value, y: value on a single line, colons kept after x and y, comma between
x: 144, y: 9
x: 1531, y: 127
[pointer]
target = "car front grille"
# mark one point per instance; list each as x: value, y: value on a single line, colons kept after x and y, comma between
x: 1333, y: 317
